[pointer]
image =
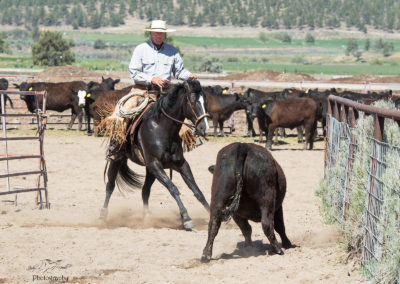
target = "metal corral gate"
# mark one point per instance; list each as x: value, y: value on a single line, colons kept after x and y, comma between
x: 340, y: 137
x: 41, y: 172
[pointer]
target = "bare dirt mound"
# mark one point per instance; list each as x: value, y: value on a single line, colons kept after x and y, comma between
x: 65, y: 71
x: 259, y: 75
x: 369, y: 78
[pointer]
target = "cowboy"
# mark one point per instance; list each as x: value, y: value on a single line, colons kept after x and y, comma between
x: 151, y: 66
x: 154, y: 61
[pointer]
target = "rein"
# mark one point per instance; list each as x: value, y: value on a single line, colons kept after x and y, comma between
x: 177, y: 120
x: 198, y: 119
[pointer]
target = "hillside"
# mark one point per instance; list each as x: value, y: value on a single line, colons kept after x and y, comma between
x: 272, y: 14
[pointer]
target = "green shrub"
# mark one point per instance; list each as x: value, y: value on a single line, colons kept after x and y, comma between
x: 376, y: 61
x: 99, y: 44
x: 283, y: 37
x: 52, y: 50
x: 309, y: 39
x: 4, y: 48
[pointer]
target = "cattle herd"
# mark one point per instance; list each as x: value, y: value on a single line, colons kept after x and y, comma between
x: 289, y: 108
x: 248, y: 184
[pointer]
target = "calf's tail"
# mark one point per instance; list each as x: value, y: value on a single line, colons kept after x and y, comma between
x: 242, y: 151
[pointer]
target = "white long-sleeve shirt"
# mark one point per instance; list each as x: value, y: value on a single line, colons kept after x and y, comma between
x: 148, y: 62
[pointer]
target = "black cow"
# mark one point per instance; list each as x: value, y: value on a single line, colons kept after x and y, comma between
x: 60, y: 97
x: 289, y: 113
x: 248, y: 184
x: 217, y: 89
x: 4, y: 86
x: 93, y: 90
x: 220, y: 108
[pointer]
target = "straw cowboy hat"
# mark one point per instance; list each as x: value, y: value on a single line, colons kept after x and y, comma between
x: 159, y: 26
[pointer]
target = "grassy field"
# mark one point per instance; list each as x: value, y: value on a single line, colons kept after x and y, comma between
x: 231, y: 53
x: 245, y: 42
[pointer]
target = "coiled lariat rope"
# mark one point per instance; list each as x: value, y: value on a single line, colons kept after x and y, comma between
x: 119, y: 111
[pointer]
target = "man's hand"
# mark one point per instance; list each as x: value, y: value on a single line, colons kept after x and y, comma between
x: 159, y: 82
x: 193, y: 77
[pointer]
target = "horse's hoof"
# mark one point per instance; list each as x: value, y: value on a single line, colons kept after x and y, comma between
x: 287, y: 245
x: 188, y: 225
x: 146, y: 216
x: 103, y: 214
x: 205, y: 259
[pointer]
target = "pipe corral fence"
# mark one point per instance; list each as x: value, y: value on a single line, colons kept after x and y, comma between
x: 15, y: 177
x: 380, y: 204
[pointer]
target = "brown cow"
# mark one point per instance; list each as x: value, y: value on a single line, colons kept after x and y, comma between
x: 248, y: 184
x: 103, y: 100
x: 288, y: 113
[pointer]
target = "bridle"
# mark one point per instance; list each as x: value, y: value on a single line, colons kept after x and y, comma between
x: 198, y: 118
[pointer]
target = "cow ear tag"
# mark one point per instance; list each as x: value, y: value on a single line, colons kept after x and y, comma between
x: 264, y: 106
x: 88, y: 95
x: 30, y: 89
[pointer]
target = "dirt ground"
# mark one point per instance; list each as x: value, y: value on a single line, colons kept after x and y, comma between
x: 69, y: 241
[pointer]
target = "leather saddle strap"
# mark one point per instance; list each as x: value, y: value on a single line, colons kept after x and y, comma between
x: 139, y: 118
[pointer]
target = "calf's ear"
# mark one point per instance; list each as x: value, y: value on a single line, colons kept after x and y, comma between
x: 211, y: 169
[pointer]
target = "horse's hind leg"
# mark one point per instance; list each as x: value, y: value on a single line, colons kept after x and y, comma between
x: 187, y: 176
x: 158, y: 172
x: 112, y: 173
x: 146, y: 193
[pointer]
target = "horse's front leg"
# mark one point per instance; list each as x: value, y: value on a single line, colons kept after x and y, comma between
x: 156, y: 169
x: 187, y: 176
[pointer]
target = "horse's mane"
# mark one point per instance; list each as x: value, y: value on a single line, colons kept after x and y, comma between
x: 170, y: 99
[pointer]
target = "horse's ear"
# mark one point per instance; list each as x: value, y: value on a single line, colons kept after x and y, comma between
x: 102, y: 78
x: 16, y: 86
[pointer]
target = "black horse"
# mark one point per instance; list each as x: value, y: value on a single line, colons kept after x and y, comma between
x: 157, y: 139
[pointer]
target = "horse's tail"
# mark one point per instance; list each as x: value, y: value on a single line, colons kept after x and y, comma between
x: 242, y: 151
x: 126, y: 178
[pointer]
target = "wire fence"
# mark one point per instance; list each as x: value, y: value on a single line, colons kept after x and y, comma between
x: 380, y: 218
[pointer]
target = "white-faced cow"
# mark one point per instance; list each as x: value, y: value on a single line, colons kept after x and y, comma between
x: 92, y: 91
